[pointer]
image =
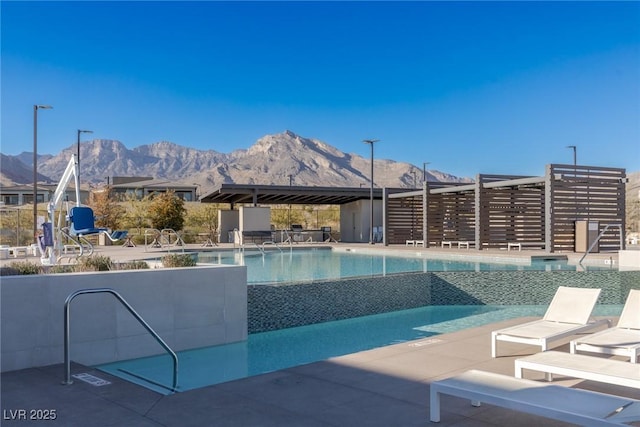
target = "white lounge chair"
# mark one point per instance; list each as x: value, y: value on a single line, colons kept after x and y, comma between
x: 582, y: 407
x: 567, y: 315
x: 601, y: 369
x: 621, y: 340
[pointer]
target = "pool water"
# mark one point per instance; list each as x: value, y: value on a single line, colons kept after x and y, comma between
x: 275, y: 266
x: 275, y: 350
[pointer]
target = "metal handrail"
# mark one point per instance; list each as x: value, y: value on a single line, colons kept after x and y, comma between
x: 271, y: 242
x: 67, y: 307
x: 258, y: 247
x: 236, y: 239
x: 598, y: 239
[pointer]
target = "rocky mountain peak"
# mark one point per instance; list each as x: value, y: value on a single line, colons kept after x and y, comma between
x: 273, y: 159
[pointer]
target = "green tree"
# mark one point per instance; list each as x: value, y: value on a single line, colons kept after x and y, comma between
x: 204, y: 216
x: 166, y: 210
x: 106, y: 209
x: 280, y: 217
x: 137, y: 213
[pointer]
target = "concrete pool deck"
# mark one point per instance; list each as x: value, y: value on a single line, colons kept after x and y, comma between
x: 120, y: 253
x: 388, y: 386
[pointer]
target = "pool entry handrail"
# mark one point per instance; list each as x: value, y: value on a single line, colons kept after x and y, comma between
x: 271, y: 243
x: 67, y: 322
x: 597, y: 239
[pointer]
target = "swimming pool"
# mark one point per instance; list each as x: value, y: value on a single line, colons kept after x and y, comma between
x: 275, y: 350
x: 307, y: 265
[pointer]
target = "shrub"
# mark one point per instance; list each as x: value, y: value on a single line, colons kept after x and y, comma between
x: 94, y: 263
x: 62, y: 269
x: 178, y: 260
x: 133, y: 265
x: 21, y: 267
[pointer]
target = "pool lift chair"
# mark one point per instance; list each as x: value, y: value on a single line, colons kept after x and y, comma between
x: 80, y: 218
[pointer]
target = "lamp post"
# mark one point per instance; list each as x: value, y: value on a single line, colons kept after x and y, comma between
x: 289, y: 210
x: 574, y: 153
x: 78, y: 157
x: 371, y: 142
x: 36, y: 107
x: 424, y: 171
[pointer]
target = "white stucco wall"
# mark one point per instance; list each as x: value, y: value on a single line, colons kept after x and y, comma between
x: 355, y: 222
x: 255, y: 218
x: 187, y: 307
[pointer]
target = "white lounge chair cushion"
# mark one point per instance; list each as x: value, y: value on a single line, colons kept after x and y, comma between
x: 621, y: 340
x: 568, y: 314
x: 563, y: 403
x: 602, y: 369
x: 614, y: 337
x: 630, y: 316
x: 538, y: 329
x: 572, y: 305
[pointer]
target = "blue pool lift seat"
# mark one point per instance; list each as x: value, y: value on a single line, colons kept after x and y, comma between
x: 83, y: 222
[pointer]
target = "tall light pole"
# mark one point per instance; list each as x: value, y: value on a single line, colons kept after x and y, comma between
x: 574, y: 153
x: 78, y: 157
x: 371, y: 142
x: 289, y: 213
x: 36, y: 107
x: 424, y: 171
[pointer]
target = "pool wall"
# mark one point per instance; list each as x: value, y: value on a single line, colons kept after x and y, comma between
x: 187, y: 307
x: 283, y: 306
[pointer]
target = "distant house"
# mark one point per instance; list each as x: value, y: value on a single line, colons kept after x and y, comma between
x: 141, y: 187
x: 18, y: 195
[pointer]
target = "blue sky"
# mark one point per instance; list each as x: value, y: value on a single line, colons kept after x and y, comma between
x: 471, y: 87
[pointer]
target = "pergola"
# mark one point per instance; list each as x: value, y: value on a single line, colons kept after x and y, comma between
x: 281, y: 194
x: 497, y: 210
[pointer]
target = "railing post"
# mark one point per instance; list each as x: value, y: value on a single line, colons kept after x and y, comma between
x: 67, y: 309
x: 67, y: 358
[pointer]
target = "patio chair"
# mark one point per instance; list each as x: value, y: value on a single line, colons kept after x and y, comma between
x: 567, y: 315
x: 82, y: 222
x: 120, y: 235
x: 621, y: 340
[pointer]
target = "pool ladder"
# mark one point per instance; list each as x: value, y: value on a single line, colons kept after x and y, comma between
x: 67, y: 322
x: 597, y: 239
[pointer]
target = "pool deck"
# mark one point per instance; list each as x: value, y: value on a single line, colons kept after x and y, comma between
x: 122, y: 254
x: 387, y: 386
x: 384, y: 387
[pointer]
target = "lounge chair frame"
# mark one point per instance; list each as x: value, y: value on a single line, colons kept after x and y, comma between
x: 621, y: 340
x: 565, y: 317
x: 608, y: 371
x: 582, y: 407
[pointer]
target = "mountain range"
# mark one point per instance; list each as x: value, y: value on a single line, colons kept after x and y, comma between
x: 279, y: 159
